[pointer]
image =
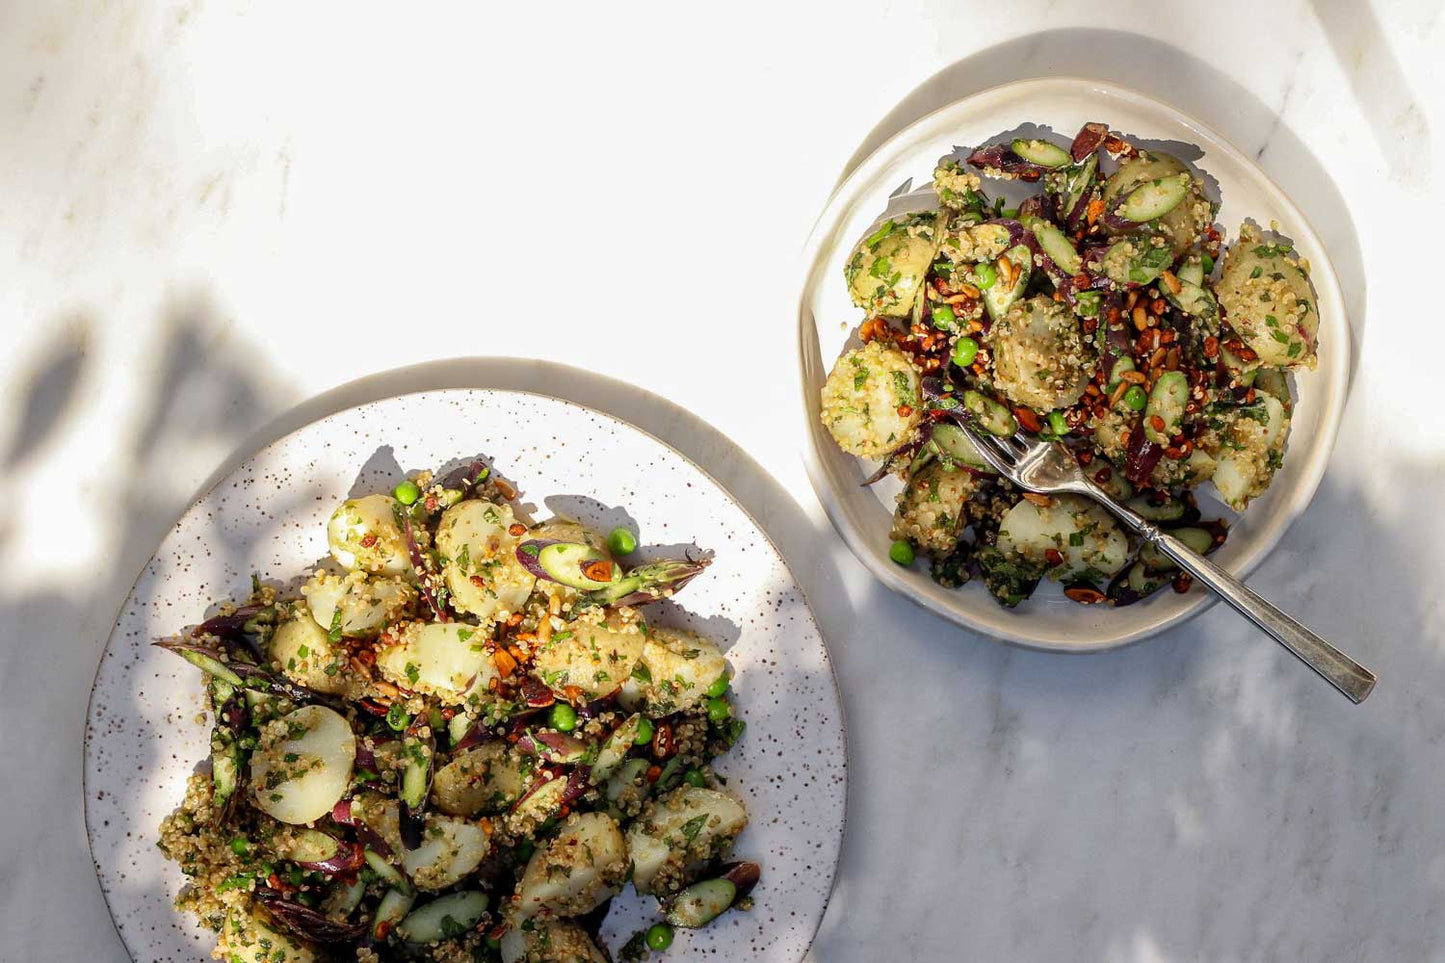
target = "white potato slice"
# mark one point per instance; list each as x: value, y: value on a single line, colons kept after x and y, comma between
x: 676, y: 669
x: 486, y: 779
x: 249, y: 933
x: 591, y: 656
x: 549, y: 941
x: 302, y: 764
x: 480, y: 559
x: 1085, y: 536
x: 450, y: 850
x: 1255, y: 450
x: 863, y: 398
x: 306, y: 655
x: 679, y: 830
x: 365, y: 604
x: 577, y: 871
x: 442, y: 659
x: 363, y: 534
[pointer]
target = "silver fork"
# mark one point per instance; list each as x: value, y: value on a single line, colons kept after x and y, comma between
x: 1050, y: 469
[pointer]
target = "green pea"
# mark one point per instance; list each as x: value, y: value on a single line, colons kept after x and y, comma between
x: 296, y: 876
x: 1057, y: 424
x: 621, y: 542
x: 964, y: 351
x: 1010, y: 212
x: 1136, y: 397
x: 1208, y: 263
x: 240, y: 845
x: 493, y: 943
x: 308, y: 898
x: 563, y: 717
x: 694, y: 778
x: 943, y: 317
x: 644, y: 732
x: 397, y: 717
x: 407, y: 493
x: 901, y: 552
x: 659, y: 936
x: 986, y: 275
x: 718, y: 709
x: 719, y: 686
x: 526, y: 849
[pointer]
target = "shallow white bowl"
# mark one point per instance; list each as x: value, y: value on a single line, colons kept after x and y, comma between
x: 827, y: 320
x: 269, y: 516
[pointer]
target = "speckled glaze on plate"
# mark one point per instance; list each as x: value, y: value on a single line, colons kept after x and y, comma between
x: 143, y: 740
x: 827, y: 320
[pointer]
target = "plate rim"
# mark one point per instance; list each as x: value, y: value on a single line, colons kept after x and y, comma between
x: 903, y: 581
x: 216, y: 482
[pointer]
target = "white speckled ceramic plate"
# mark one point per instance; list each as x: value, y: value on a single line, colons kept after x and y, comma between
x: 827, y: 320
x: 143, y: 741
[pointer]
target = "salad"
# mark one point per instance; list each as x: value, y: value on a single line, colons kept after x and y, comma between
x: 1104, y: 312
x: 457, y: 743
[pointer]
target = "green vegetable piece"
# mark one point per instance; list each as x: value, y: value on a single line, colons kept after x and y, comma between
x: 944, y: 318
x: 694, y: 778
x: 240, y: 845
x: 407, y: 492
x: 964, y: 351
x: 659, y: 936
x: 901, y: 552
x: 986, y: 275
x: 397, y: 717
x: 563, y: 717
x: 644, y: 732
x: 1136, y: 397
x: 718, y: 709
x: 718, y: 687
x: 1057, y: 425
x: 621, y: 542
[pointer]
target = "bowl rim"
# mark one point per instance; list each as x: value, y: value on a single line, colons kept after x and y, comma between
x: 904, y: 581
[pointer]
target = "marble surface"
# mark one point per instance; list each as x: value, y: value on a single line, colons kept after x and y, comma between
x: 219, y: 221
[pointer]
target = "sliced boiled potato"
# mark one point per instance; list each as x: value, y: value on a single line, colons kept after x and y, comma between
x: 1180, y: 227
x: 250, y: 933
x: 577, y: 871
x: 549, y: 941
x: 1253, y: 450
x: 355, y: 605
x: 450, y: 850
x: 870, y: 402
x: 676, y: 669
x: 678, y: 830
x: 930, y: 511
x: 480, y: 564
x: 307, y: 656
x: 886, y: 271
x: 1268, y: 300
x: 486, y: 779
x: 591, y: 656
x: 1087, y: 541
x: 302, y: 764
x: 363, y: 534
x: 1040, y: 357
x: 442, y: 659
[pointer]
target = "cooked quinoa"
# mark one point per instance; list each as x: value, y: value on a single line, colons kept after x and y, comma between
x: 402, y: 770
x: 1093, y: 315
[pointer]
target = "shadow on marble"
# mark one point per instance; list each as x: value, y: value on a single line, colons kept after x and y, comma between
x: 1176, y: 77
x: 1402, y: 134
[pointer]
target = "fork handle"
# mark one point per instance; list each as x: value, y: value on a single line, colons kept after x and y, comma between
x: 1338, y: 669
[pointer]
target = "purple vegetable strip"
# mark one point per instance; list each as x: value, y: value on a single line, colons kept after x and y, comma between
x: 345, y: 861
x: 743, y: 874
x: 426, y: 581
x: 1001, y: 157
x: 467, y: 478
x: 1141, y: 457
x: 230, y: 626
x: 305, y: 922
x: 244, y: 674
